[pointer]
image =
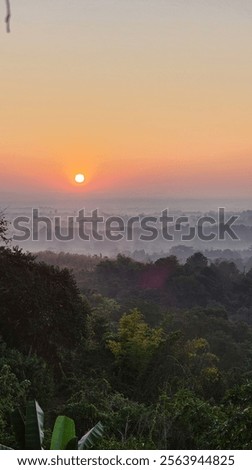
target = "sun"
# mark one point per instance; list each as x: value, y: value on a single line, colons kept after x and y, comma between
x: 79, y: 178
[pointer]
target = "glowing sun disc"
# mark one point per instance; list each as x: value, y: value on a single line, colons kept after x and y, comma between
x: 79, y: 178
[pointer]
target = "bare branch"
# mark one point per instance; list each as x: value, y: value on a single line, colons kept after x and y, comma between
x: 8, y: 16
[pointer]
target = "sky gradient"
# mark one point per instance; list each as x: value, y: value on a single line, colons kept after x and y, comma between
x: 145, y: 97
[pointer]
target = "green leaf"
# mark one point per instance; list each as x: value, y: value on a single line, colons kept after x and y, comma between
x: 18, y: 424
x: 63, y: 433
x: 34, y: 423
x: 89, y: 439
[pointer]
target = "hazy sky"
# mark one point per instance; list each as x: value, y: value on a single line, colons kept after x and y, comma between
x: 146, y: 97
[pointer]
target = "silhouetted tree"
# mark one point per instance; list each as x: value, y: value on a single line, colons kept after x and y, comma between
x: 3, y: 228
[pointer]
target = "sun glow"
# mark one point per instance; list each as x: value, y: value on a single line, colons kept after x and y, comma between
x: 79, y: 178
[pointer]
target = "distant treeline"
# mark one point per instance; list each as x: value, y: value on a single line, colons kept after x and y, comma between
x: 165, y: 283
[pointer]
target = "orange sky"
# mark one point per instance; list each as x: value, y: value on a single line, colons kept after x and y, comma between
x: 143, y: 97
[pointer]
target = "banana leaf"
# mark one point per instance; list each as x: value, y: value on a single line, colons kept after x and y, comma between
x: 18, y: 423
x: 63, y: 433
x: 5, y: 447
x: 34, y: 425
x: 90, y: 438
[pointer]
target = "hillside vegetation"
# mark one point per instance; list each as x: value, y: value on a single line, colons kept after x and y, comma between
x: 160, y: 353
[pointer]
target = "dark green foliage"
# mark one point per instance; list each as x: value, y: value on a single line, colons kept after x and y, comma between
x: 29, y: 431
x: 158, y: 352
x: 41, y: 310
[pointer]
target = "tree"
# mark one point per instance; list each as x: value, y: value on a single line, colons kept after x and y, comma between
x: 133, y: 349
x: 196, y: 262
x: 204, y: 367
x: 3, y: 228
x: 41, y: 310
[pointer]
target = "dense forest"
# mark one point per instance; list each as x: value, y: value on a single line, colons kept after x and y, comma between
x: 159, y: 352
